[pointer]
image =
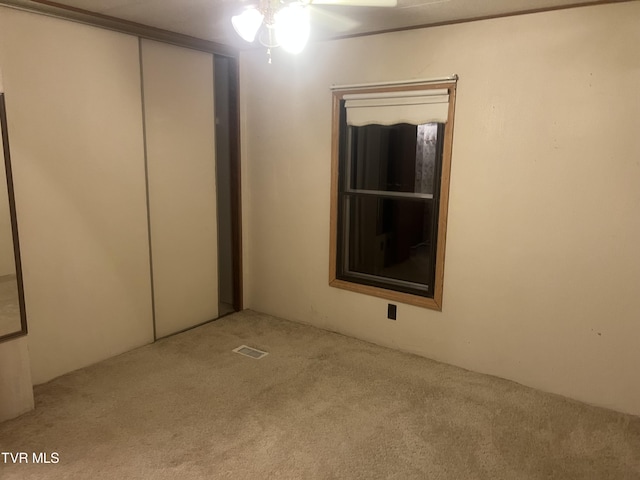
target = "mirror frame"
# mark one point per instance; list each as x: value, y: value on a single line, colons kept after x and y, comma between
x: 14, y: 223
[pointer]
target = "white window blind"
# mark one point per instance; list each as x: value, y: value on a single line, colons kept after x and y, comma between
x: 415, y: 107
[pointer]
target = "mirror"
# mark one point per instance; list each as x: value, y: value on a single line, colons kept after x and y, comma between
x: 13, y: 320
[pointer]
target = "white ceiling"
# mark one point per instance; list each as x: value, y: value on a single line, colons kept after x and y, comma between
x: 210, y: 19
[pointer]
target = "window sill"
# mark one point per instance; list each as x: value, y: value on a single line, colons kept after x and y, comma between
x: 399, y: 297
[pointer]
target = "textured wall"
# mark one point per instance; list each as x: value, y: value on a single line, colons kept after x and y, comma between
x: 75, y: 122
x: 7, y: 261
x: 542, y: 267
x: 16, y: 391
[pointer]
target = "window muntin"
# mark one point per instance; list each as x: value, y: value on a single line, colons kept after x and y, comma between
x: 388, y: 228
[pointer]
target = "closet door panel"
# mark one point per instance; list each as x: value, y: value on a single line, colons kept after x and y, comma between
x: 74, y: 110
x: 179, y: 122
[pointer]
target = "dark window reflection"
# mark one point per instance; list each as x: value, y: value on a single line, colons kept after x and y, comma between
x: 396, y: 158
x: 390, y: 238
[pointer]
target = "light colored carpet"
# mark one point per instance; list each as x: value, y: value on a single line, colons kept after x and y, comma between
x: 319, y: 406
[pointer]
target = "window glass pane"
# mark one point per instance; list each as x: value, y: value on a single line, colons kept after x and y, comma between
x: 389, y: 238
x: 395, y: 158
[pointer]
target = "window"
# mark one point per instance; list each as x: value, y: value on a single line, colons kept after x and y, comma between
x: 390, y: 185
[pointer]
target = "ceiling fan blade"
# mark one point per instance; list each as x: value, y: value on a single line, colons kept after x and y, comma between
x: 423, y: 3
x: 357, y: 3
x: 331, y: 21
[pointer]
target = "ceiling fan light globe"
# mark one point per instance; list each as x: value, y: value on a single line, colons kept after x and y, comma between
x: 293, y: 27
x: 247, y: 24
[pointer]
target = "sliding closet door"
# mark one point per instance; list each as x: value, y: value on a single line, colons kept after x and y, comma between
x: 179, y: 123
x: 74, y: 112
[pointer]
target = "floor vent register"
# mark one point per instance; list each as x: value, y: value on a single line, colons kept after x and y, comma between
x: 250, y: 352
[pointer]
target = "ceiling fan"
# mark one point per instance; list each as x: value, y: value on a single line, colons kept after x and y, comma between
x: 286, y: 23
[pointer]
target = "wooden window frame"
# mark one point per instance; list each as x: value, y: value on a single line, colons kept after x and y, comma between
x: 434, y: 303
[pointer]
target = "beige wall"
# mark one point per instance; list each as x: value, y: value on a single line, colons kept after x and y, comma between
x: 7, y: 262
x: 542, y: 266
x: 16, y: 392
x: 75, y: 121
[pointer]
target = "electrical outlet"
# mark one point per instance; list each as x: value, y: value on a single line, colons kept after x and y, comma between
x: 391, y: 311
